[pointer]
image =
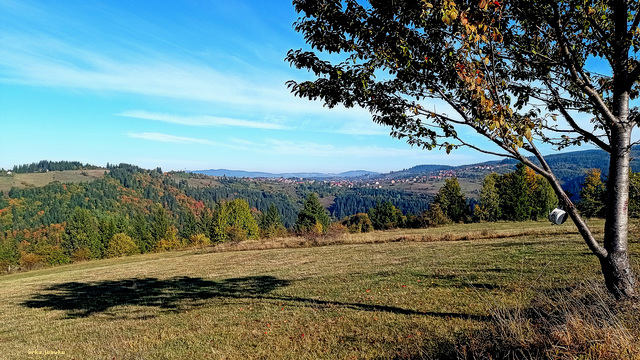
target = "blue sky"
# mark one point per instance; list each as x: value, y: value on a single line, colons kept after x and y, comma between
x: 176, y: 84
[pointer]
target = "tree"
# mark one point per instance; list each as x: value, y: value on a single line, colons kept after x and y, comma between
x: 634, y: 194
x: 121, y: 245
x: 519, y: 73
x: 385, y: 216
x: 82, y: 234
x: 141, y: 234
x: 592, y: 195
x: 489, y: 198
x: 435, y: 216
x: 313, y: 216
x: 238, y: 214
x: 544, y: 198
x: 233, y: 221
x: 189, y: 224
x: 161, y: 226
x: 270, y: 223
x: 451, y: 200
x: 515, y: 197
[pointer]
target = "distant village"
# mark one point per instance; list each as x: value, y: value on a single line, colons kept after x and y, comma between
x: 386, y: 180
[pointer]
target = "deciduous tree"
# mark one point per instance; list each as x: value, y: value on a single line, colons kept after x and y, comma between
x: 121, y: 245
x: 489, y: 198
x: 520, y: 73
x: 592, y: 195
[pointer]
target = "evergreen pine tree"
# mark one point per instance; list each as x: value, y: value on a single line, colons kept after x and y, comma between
x: 312, y: 215
x: 82, y: 233
x: 270, y: 223
x: 451, y: 200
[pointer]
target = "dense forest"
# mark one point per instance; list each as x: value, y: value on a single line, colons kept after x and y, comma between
x: 361, y: 200
x: 150, y: 210
x: 133, y: 210
x: 45, y: 165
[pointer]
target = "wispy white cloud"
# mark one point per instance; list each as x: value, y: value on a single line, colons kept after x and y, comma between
x: 44, y: 61
x: 167, y: 138
x: 243, y: 142
x: 153, y: 136
x: 362, y: 128
x: 40, y: 60
x: 201, y: 120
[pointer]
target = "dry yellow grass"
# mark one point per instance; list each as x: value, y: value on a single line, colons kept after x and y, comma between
x: 368, y: 300
x: 22, y: 181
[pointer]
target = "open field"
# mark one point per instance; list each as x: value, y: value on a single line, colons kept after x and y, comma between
x: 384, y: 295
x: 41, y: 179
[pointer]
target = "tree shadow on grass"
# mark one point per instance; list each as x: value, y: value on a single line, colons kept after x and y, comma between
x: 174, y: 294
x: 182, y: 293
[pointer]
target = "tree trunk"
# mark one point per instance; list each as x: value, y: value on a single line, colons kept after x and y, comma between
x: 614, y: 256
x: 617, y: 271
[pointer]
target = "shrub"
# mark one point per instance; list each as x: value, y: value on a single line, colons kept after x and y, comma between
x: 273, y: 232
x: 358, y: 223
x: 435, y: 216
x: 336, y: 228
x: 30, y: 261
x: 81, y: 254
x: 167, y: 244
x: 121, y: 245
x: 199, y: 240
x: 236, y: 234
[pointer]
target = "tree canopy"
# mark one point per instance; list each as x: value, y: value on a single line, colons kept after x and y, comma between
x: 313, y: 217
x: 451, y: 200
x: 519, y: 73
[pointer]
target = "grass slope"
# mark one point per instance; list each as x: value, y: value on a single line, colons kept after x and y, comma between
x: 413, y: 297
x: 41, y: 179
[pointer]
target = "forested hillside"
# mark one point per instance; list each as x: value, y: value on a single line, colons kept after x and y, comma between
x: 45, y: 165
x: 125, y: 209
x: 148, y: 210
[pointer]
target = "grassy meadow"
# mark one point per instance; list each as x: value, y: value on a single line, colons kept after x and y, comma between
x: 447, y: 292
x: 22, y: 181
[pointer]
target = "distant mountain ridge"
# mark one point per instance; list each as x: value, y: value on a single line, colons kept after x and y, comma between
x: 306, y: 175
x: 569, y: 167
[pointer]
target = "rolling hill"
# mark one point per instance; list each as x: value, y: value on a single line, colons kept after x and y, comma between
x: 305, y: 175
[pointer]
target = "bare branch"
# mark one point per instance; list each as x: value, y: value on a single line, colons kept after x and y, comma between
x: 577, y: 74
x: 574, y: 125
x: 634, y: 25
x: 464, y: 143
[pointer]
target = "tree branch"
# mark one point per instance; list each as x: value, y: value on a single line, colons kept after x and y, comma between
x: 464, y: 143
x: 583, y: 228
x: 604, y: 146
x: 579, y: 77
x: 634, y: 25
